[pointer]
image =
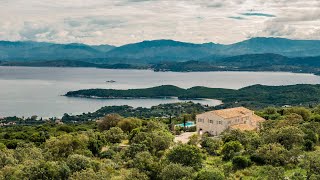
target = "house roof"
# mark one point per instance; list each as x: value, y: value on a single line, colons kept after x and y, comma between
x: 232, y: 112
x: 257, y: 119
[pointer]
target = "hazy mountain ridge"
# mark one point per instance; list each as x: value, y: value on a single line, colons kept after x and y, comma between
x: 33, y: 51
x: 156, y: 51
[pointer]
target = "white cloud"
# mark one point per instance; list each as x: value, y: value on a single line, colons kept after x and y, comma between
x: 126, y: 21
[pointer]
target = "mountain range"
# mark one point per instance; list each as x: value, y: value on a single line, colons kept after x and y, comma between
x: 156, y: 51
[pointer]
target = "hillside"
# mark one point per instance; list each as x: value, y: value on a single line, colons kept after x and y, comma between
x: 255, y: 96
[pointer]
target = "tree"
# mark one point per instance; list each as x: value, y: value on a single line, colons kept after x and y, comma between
x: 249, y: 139
x: 240, y: 162
x: 273, y: 173
x: 309, y: 145
x: 7, y: 157
x: 303, y: 112
x: 176, y: 171
x: 64, y: 145
x: 128, y: 124
x: 28, y: 151
x: 290, y: 136
x: 186, y: 155
x: 134, y: 149
x: 312, y: 164
x: 272, y: 154
x: 155, y: 126
x: 211, y: 145
x: 114, y: 135
x: 293, y: 119
x: 194, y: 139
x: 90, y: 174
x: 45, y: 170
x: 230, y: 149
x: 146, y: 163
x: 78, y: 162
x: 96, y: 141
x: 135, y: 174
x: 210, y: 174
x: 270, y: 110
x: 287, y: 136
x: 156, y: 141
x: 108, y: 121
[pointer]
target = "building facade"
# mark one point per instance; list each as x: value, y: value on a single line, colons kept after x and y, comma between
x: 215, y: 122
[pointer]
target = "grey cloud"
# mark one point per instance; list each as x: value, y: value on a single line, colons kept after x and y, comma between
x: 300, y: 16
x: 102, y: 21
x: 31, y: 31
x: 126, y: 21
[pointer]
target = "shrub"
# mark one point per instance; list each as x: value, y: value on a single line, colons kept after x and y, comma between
x: 115, y: 135
x: 240, y: 162
x: 109, y: 121
x: 230, y: 149
x: 210, y: 175
x: 186, y: 155
x: 176, y: 171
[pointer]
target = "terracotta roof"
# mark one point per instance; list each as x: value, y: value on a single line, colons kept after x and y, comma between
x: 243, y: 127
x: 231, y: 112
x: 257, y: 119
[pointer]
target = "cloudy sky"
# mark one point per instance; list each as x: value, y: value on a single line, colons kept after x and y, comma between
x: 120, y: 22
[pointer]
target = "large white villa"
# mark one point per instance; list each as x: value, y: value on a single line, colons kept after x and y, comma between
x: 215, y: 122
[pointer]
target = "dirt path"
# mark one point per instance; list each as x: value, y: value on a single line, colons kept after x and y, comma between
x: 184, y: 137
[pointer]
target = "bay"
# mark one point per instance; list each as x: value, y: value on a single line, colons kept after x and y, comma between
x: 27, y: 91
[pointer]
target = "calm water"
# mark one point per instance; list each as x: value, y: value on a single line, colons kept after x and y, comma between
x: 26, y: 91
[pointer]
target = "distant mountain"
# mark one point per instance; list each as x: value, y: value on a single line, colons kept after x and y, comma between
x: 157, y: 51
x: 169, y: 50
x: 31, y: 51
x: 103, y: 48
x: 164, y: 50
x: 286, y: 47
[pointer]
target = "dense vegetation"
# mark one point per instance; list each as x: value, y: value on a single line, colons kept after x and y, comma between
x: 256, y: 96
x: 170, y: 112
x: 248, y: 62
x: 286, y: 147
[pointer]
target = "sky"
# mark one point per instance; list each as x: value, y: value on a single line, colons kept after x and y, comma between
x: 119, y: 22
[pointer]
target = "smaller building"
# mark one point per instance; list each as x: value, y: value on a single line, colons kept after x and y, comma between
x: 215, y: 122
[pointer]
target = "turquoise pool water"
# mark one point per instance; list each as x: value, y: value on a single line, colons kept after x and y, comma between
x: 188, y: 124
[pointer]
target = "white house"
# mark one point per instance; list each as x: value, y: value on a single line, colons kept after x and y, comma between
x: 215, y: 122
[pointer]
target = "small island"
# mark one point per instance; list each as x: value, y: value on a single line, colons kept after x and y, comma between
x: 256, y: 96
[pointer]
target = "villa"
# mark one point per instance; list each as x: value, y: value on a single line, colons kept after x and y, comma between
x: 215, y: 122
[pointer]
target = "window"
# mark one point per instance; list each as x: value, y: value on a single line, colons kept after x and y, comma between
x: 211, y: 121
x: 200, y: 120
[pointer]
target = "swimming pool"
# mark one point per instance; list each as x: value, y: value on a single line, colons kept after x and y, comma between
x: 188, y: 124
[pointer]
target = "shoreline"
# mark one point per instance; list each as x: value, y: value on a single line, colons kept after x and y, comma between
x: 169, y: 71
